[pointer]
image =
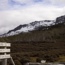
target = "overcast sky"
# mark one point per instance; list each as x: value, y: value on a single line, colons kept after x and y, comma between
x: 16, y: 12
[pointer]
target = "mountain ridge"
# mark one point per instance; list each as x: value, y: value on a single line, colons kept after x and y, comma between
x: 44, y: 24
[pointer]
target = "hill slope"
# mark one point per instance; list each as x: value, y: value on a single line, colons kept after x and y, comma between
x: 48, y: 44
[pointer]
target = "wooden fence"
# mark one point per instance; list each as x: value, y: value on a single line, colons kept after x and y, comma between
x: 5, y: 53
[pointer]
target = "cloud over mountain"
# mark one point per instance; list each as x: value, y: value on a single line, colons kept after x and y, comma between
x: 15, y: 12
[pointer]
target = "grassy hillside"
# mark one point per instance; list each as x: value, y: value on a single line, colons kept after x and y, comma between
x: 37, y: 45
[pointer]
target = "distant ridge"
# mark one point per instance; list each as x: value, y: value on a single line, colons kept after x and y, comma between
x: 36, y: 25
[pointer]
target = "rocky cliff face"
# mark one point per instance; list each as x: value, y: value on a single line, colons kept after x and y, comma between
x: 60, y: 19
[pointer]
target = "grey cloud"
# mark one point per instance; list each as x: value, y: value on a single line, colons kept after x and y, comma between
x: 11, y: 18
x: 4, y: 4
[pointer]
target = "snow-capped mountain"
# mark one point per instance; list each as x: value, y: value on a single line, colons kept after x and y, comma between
x: 35, y: 25
x: 30, y: 27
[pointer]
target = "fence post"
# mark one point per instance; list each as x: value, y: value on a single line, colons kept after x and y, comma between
x: 4, y: 62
